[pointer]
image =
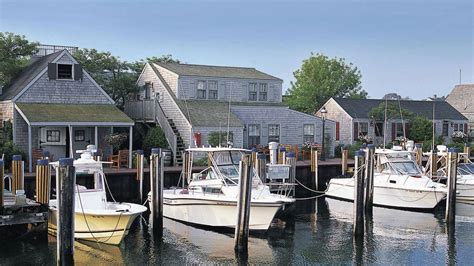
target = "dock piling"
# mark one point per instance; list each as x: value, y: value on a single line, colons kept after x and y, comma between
x: 451, y: 183
x: 282, y: 155
x: 43, y: 181
x: 18, y: 173
x: 467, y: 151
x: 260, y: 166
x: 139, y: 165
x: 243, y: 205
x: 358, y: 209
x: 2, y: 174
x: 291, y: 161
x: 65, y: 183
x: 369, y: 178
x: 344, y: 156
x: 156, y: 179
x: 434, y: 163
x: 315, y: 168
x: 419, y: 153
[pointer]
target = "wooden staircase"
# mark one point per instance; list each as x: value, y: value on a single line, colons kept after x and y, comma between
x: 180, y: 144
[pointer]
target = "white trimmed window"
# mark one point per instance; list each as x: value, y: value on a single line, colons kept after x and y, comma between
x: 262, y: 92
x: 274, y: 133
x: 201, y: 89
x: 212, y: 87
x: 308, y: 133
x: 252, y: 91
x: 254, y: 135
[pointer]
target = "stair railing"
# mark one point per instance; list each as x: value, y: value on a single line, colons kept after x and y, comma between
x: 171, y: 137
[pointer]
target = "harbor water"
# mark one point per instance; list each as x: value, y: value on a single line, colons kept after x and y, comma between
x: 320, y: 232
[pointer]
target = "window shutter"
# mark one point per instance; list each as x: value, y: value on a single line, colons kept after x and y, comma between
x: 394, y: 131
x: 337, y: 130
x: 355, y: 127
x: 77, y: 71
x: 52, y: 71
x: 465, y: 128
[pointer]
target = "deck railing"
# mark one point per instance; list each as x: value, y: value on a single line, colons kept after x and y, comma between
x: 151, y: 111
x: 143, y: 110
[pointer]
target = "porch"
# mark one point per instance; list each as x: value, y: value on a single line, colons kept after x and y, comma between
x: 62, y: 129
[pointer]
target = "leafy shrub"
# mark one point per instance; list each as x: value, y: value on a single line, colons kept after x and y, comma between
x: 155, y: 138
x: 214, y: 137
x: 9, y: 149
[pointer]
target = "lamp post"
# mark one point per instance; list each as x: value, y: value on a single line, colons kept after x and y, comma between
x: 323, y: 152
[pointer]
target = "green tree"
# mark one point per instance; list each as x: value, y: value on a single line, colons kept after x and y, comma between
x: 118, y: 78
x: 321, y: 78
x: 155, y: 138
x: 15, y: 53
x: 421, y: 129
x: 392, y: 110
x: 168, y: 58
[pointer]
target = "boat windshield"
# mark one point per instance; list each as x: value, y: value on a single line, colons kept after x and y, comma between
x: 406, y: 167
x: 230, y: 171
x: 466, y: 169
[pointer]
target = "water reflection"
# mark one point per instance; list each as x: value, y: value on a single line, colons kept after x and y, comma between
x: 320, y: 232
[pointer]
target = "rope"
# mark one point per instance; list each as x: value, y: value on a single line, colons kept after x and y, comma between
x: 87, y: 223
x: 309, y: 189
x: 309, y: 198
x: 107, y: 185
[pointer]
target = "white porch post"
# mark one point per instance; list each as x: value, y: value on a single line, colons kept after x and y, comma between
x: 71, y: 152
x: 30, y: 152
x: 130, y: 142
x: 96, y: 137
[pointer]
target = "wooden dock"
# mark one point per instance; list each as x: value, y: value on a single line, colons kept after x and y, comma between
x: 15, y: 214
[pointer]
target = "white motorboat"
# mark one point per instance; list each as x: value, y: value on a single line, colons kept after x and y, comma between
x: 398, y: 183
x: 96, y: 219
x: 210, y: 198
x: 464, y: 177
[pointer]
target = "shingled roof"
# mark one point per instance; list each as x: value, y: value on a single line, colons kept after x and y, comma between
x: 360, y: 108
x: 28, y: 74
x: 208, y: 113
x: 462, y: 98
x: 216, y: 71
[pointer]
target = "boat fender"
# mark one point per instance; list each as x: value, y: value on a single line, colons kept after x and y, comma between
x: 184, y: 191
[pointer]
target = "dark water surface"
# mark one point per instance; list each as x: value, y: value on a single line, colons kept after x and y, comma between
x: 321, y: 232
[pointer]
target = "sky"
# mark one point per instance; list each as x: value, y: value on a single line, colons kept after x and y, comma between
x: 411, y: 47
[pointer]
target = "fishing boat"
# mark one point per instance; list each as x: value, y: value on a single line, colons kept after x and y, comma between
x: 398, y: 183
x: 95, y: 218
x: 464, y: 177
x: 210, y: 198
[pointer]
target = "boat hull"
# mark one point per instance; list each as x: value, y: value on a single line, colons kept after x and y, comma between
x: 465, y: 191
x: 218, y: 213
x: 419, y: 199
x: 108, y: 228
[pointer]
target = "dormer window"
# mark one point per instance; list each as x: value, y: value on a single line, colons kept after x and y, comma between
x: 64, y: 71
x: 262, y: 93
x: 252, y: 91
x: 201, y: 89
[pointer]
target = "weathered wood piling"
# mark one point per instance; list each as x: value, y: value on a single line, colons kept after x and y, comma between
x: 18, y: 173
x: 243, y: 205
x: 43, y: 181
x: 315, y: 168
x: 140, y: 156
x: 344, y: 157
x: 369, y: 178
x: 451, y: 183
x: 260, y: 166
x: 358, y: 209
x: 418, y: 154
x: 291, y: 161
x: 467, y: 151
x: 282, y: 155
x: 156, y: 183
x: 2, y: 174
x: 65, y: 183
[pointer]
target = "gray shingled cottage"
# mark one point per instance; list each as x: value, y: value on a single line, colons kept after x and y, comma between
x: 462, y: 98
x: 352, y: 119
x: 55, y: 105
x: 191, y: 101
